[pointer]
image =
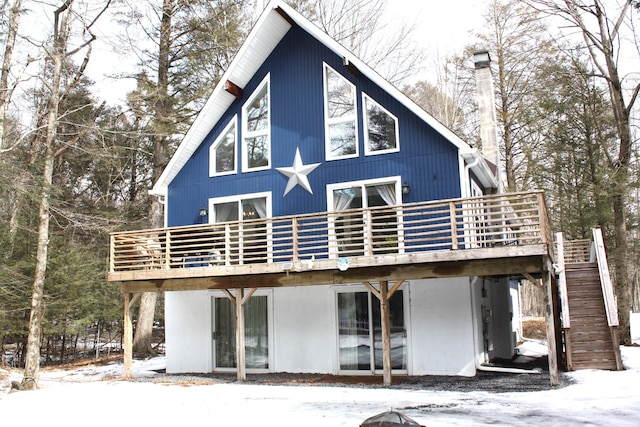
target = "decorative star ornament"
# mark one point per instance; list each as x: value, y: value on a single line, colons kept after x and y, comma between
x: 298, y: 174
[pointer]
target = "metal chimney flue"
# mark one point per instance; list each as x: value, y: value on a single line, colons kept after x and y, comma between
x: 487, y: 111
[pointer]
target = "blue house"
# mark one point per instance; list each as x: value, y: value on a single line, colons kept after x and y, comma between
x: 319, y: 221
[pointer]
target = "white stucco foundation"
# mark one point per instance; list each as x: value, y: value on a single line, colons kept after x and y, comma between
x: 303, y: 335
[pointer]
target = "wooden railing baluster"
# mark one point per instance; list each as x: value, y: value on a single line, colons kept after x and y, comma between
x: 454, y: 225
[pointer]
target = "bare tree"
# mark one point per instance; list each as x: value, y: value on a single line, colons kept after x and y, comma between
x: 360, y: 26
x: 600, y: 24
x: 450, y: 97
x: 58, y: 55
x: 515, y: 38
x: 10, y: 42
x: 194, y: 42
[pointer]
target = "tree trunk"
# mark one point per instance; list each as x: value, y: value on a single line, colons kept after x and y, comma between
x: 32, y: 364
x: 146, y: 313
x: 5, y: 96
x: 620, y: 188
x: 144, y: 325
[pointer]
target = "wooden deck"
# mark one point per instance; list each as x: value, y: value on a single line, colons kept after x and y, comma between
x: 486, y: 236
x: 500, y: 235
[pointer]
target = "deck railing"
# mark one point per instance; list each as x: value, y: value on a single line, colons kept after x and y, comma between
x: 577, y: 250
x: 456, y: 224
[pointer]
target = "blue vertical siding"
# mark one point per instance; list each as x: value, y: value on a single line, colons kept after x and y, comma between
x: 426, y: 160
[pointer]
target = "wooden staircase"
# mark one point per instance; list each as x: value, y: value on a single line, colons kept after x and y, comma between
x: 589, y: 342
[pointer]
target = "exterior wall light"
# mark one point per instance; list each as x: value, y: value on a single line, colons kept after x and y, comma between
x: 203, y: 211
x: 406, y: 188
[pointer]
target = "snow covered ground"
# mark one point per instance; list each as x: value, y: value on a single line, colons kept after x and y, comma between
x: 91, y: 396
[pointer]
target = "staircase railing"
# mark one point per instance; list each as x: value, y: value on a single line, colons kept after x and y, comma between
x: 562, y: 281
x: 610, y: 304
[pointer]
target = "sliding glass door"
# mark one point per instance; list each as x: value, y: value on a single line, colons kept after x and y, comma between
x: 355, y: 233
x: 256, y: 323
x: 360, y: 332
x: 246, y: 237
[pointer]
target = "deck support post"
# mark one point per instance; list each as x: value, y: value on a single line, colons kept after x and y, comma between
x: 129, y: 300
x: 240, y: 349
x: 384, y: 295
x: 551, y: 328
x: 239, y: 299
x: 386, y: 332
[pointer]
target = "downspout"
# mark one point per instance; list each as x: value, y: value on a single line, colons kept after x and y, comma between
x: 467, y: 177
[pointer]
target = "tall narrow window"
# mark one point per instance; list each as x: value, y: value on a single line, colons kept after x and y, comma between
x: 381, y: 128
x: 340, y: 113
x: 256, y: 146
x: 222, y: 153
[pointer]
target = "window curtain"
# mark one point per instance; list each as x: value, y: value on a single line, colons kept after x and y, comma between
x: 347, y: 331
x: 225, y: 333
x: 259, y: 206
x: 387, y: 192
x: 256, y: 333
x: 226, y: 212
x: 342, y: 199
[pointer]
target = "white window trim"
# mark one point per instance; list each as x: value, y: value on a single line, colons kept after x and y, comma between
x: 405, y: 287
x: 239, y: 198
x: 212, y: 150
x: 246, y: 134
x: 333, y: 241
x: 328, y: 121
x: 271, y: 331
x: 364, y: 182
x: 365, y: 124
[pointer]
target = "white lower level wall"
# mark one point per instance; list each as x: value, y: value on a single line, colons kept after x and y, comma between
x: 438, y: 315
x: 188, y: 332
x: 442, y: 328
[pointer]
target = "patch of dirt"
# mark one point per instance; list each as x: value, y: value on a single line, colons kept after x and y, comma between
x: 535, y: 328
x: 81, y: 363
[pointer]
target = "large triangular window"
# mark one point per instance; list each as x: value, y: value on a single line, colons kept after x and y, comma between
x: 380, y: 128
x: 222, y: 153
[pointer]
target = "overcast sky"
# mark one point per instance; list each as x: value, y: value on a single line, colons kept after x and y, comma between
x: 444, y: 25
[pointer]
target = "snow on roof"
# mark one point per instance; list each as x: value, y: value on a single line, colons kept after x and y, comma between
x: 271, y: 27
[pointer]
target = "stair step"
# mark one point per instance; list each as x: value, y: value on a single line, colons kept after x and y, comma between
x: 582, y: 334
x: 593, y: 355
x: 595, y: 322
x: 601, y: 365
x: 588, y: 315
x: 591, y: 346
